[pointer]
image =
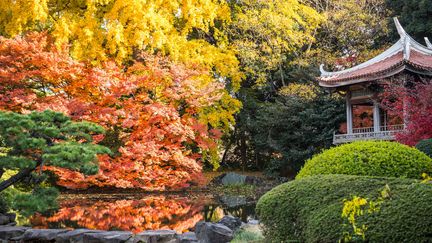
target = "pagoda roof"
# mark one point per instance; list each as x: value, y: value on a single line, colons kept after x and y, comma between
x: 405, y: 54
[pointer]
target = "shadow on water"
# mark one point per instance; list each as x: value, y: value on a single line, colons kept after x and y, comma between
x: 137, y: 213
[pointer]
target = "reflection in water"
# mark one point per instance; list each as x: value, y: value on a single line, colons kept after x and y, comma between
x: 179, y: 213
x: 216, y: 212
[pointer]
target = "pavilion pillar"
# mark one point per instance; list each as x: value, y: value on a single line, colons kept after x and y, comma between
x: 349, y: 114
x: 405, y: 112
x: 376, y: 117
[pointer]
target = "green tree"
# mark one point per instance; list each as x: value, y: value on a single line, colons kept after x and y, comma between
x: 354, y: 31
x: 264, y: 32
x: 271, y: 65
x: 294, y: 127
x: 44, y: 139
x: 415, y: 16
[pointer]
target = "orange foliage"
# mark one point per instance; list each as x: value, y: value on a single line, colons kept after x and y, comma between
x: 362, y: 116
x: 150, y: 107
x: 150, y: 213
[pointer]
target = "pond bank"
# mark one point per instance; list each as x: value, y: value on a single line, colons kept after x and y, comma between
x: 205, y: 232
x: 137, y: 211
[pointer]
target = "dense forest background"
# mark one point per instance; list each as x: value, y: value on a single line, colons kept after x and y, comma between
x: 288, y: 118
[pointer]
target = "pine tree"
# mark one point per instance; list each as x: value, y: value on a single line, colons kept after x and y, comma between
x: 32, y: 141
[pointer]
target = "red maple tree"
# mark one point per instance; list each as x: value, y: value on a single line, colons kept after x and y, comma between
x: 411, y: 103
x: 150, y: 109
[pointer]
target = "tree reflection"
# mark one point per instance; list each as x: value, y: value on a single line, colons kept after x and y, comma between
x: 150, y: 213
x: 214, y: 213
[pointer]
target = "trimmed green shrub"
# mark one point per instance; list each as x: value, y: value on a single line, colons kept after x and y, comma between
x: 310, y: 209
x: 425, y: 146
x: 369, y: 158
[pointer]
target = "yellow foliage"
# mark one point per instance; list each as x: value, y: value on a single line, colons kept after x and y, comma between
x: 101, y: 29
x: 304, y: 91
x: 197, y: 33
x: 264, y: 32
x: 426, y: 178
x: 221, y: 114
x: 17, y: 15
x: 356, y: 207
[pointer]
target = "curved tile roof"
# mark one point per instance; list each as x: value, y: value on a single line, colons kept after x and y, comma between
x: 406, y: 54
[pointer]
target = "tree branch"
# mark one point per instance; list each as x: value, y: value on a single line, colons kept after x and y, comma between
x: 17, y: 177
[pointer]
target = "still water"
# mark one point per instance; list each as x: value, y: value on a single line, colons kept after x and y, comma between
x: 139, y: 212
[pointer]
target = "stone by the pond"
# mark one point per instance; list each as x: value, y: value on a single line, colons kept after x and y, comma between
x: 11, y: 216
x: 11, y: 224
x: 4, y: 220
x: 76, y: 236
x: 233, y: 201
x: 156, y: 236
x: 231, y: 222
x: 7, y: 219
x: 107, y: 237
x: 213, y: 233
x: 9, y: 232
x: 253, y: 222
x: 40, y: 235
x: 233, y: 178
x: 188, y: 237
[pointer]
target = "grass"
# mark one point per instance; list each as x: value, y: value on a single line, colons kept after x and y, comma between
x: 244, y: 236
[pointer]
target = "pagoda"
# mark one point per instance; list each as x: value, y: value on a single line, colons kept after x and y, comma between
x: 406, y: 60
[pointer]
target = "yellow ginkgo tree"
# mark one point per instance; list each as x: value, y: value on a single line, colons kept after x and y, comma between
x: 100, y: 29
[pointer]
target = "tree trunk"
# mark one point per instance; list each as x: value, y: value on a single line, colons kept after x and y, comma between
x: 282, y: 75
x: 16, y: 178
x: 243, y: 149
x: 228, y: 147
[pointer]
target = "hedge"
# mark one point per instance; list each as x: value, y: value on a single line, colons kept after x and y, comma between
x: 425, y: 146
x: 369, y: 158
x: 309, y: 209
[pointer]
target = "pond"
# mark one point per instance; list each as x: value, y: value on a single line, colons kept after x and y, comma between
x: 138, y: 212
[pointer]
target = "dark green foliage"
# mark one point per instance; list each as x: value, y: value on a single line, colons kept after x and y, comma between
x: 49, y: 138
x: 415, y: 16
x: 425, y: 146
x: 280, y: 134
x: 40, y: 200
x: 4, y: 207
x: 309, y: 209
x: 43, y: 139
x: 292, y: 129
x: 372, y: 158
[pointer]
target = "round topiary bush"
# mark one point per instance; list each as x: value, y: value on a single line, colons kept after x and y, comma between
x: 369, y: 158
x: 310, y: 209
x: 425, y: 146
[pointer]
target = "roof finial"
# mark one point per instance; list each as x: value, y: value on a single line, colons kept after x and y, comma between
x: 323, y: 72
x: 399, y: 28
x: 407, y: 50
x: 404, y: 38
x: 428, y: 43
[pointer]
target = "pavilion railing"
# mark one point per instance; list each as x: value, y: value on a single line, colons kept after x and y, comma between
x: 363, y: 130
x: 368, y: 133
x: 382, y: 128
